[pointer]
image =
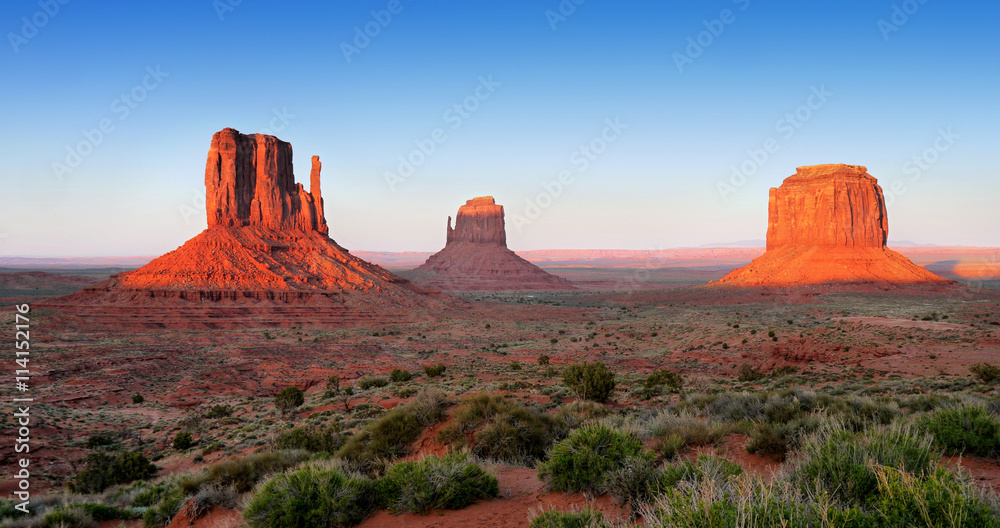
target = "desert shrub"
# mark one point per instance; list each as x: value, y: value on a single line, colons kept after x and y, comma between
x: 926, y: 402
x: 769, y: 439
x: 183, y: 441
x: 212, y: 496
x: 310, y: 498
x: 435, y: 370
x: 312, y: 438
x: 166, y: 507
x: 103, y: 512
x: 448, y: 483
x: 543, y: 360
x: 985, y: 372
x: 505, y: 430
x: 903, y: 500
x: 332, y: 386
x: 675, y: 431
x: 634, y: 480
x: 664, y: 378
x: 841, y: 462
x: 582, y: 461
x: 289, y: 399
x: 390, y: 436
x: 400, y: 375
x: 583, y: 519
x: 242, y: 474
x: 137, y: 398
x: 968, y: 429
x: 101, y: 440
x: 104, y: 470
x: 368, y: 383
x: 590, y: 380
x: 747, y: 373
x: 579, y: 412
x: 72, y: 516
x: 219, y: 411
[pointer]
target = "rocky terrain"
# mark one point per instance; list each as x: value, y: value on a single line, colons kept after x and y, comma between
x: 475, y: 256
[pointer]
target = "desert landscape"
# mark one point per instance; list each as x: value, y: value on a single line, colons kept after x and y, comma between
x: 259, y: 368
x: 565, y: 264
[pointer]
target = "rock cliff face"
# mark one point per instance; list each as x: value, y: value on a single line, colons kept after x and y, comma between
x: 830, y: 206
x: 479, y: 221
x: 249, y: 181
x: 267, y: 240
x: 827, y: 224
x: 476, y: 258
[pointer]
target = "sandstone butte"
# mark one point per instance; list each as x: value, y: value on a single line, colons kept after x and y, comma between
x: 475, y: 256
x: 827, y: 224
x: 267, y: 239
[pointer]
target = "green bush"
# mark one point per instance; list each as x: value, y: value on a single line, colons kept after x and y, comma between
x: 219, y: 411
x: 165, y: 509
x: 448, y: 483
x: 503, y: 429
x: 435, y: 370
x: 242, y: 474
x: 310, y: 498
x: 183, y: 441
x: 103, y: 512
x: 137, y: 398
x: 332, y: 386
x: 289, y: 399
x: 101, y: 440
x: 104, y: 470
x: 368, y: 383
x: 312, y: 438
x: 584, y: 519
x: 769, y: 439
x: 985, y: 372
x: 583, y: 460
x: 663, y: 378
x: 841, y: 462
x: 543, y: 360
x: 590, y: 380
x: 72, y: 516
x: 746, y: 373
x: 968, y: 429
x: 400, y: 375
x: 390, y: 436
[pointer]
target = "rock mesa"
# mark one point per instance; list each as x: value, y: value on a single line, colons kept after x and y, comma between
x: 827, y: 224
x: 475, y: 256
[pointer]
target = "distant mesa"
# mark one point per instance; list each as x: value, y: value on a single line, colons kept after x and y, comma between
x: 267, y: 240
x: 475, y: 256
x: 827, y: 224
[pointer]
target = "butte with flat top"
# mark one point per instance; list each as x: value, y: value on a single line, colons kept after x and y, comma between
x: 827, y: 224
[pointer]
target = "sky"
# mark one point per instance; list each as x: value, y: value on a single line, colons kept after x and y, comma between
x: 597, y: 124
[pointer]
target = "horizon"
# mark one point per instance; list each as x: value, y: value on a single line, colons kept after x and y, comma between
x: 520, y: 93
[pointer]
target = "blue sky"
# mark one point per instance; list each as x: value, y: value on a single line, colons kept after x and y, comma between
x: 550, y: 76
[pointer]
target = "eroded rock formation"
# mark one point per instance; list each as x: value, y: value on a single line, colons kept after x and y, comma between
x: 827, y: 224
x: 249, y: 181
x: 475, y: 256
x: 267, y: 240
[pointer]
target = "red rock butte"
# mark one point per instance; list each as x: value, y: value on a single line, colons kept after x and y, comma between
x: 827, y: 224
x: 267, y: 240
x: 475, y: 256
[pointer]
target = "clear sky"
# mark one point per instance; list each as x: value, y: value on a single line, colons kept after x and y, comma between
x: 682, y: 92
